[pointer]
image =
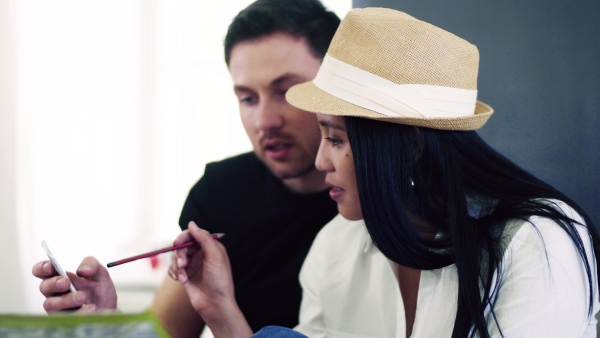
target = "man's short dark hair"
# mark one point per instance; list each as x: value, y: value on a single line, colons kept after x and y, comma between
x: 303, y: 18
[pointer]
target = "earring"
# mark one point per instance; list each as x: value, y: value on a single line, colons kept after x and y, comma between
x: 412, y: 183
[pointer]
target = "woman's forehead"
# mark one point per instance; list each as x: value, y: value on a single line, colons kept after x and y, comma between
x: 335, y: 122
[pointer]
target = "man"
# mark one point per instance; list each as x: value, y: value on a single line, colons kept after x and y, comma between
x: 270, y: 203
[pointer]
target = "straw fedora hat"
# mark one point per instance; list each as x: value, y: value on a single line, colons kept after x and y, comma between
x: 386, y: 65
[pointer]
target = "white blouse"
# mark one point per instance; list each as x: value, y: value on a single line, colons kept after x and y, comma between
x: 350, y: 288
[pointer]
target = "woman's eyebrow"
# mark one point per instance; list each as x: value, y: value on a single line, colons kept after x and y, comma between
x: 332, y: 125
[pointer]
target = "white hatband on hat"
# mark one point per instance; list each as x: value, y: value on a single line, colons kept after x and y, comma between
x: 375, y: 93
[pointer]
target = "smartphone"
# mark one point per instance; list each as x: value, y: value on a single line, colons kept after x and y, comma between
x: 57, y: 266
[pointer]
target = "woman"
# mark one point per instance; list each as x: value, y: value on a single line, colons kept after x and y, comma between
x: 457, y: 241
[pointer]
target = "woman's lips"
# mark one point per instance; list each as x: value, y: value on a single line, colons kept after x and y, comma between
x: 336, y: 193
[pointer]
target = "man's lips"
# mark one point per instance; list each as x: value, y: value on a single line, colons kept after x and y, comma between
x: 277, y: 149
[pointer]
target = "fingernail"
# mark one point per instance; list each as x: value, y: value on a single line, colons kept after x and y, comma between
x: 60, y: 283
x: 87, y: 308
x: 179, y: 262
x: 218, y: 235
x: 46, y: 267
x: 79, y: 298
x: 181, y: 279
x: 84, y: 268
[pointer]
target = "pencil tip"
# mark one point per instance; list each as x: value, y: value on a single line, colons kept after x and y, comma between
x: 110, y: 265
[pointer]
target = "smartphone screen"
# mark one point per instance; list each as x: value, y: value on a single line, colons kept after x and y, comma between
x: 56, y: 265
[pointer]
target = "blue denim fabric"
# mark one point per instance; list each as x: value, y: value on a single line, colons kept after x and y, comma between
x: 277, y: 332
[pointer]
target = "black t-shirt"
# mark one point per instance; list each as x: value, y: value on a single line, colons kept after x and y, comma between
x: 268, y: 228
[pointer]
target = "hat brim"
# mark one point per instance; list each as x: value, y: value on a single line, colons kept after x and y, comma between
x: 308, y: 97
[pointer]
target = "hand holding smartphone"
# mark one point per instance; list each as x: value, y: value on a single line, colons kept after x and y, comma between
x: 57, y: 266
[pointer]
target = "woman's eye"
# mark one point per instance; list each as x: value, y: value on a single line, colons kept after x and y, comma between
x: 334, y: 141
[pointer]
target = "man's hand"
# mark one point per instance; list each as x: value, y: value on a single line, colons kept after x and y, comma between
x: 96, y: 291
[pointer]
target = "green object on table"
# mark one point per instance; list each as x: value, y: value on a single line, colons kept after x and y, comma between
x: 100, y: 325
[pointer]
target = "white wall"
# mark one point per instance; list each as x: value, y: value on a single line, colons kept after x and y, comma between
x: 110, y: 109
x: 12, y: 292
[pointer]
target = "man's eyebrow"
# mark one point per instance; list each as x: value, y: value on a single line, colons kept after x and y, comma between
x: 238, y: 88
x: 332, y: 125
x: 277, y: 81
x: 287, y: 77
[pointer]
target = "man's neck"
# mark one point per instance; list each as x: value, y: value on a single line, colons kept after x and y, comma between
x: 311, y: 182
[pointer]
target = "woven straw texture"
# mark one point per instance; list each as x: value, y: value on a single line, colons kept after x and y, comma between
x: 395, y: 46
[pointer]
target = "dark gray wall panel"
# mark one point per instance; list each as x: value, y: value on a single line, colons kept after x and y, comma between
x: 540, y: 71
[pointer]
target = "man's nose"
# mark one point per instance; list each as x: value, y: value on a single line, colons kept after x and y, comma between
x: 269, y: 115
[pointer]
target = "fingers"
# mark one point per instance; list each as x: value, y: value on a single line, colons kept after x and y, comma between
x: 92, y: 269
x: 209, y: 245
x: 64, y: 302
x: 92, y: 281
x: 184, y: 237
x: 43, y: 270
x: 54, y: 286
x: 93, y: 278
x: 179, y: 257
x: 56, y: 289
x: 179, y: 263
x: 87, y: 308
x: 172, y: 271
x: 208, y: 250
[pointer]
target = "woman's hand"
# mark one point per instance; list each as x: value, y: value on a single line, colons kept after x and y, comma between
x: 205, y: 272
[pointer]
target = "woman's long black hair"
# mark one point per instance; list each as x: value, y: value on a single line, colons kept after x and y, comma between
x: 425, y: 173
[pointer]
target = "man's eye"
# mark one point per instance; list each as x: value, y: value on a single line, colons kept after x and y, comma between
x: 246, y: 99
x: 280, y: 94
